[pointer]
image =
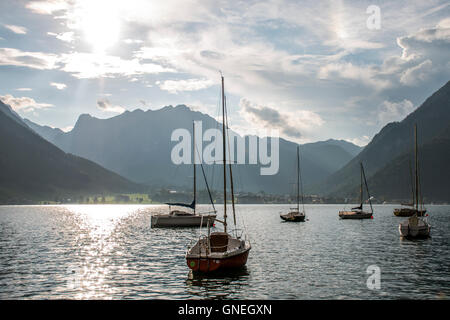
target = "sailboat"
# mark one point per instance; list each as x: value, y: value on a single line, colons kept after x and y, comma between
x: 295, y: 215
x: 220, y: 250
x: 181, y: 218
x: 358, y: 212
x: 409, y: 209
x: 416, y: 226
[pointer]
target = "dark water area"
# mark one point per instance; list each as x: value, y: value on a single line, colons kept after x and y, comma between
x: 111, y: 252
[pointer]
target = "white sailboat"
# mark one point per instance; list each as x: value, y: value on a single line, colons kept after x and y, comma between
x: 181, y: 218
x: 416, y: 226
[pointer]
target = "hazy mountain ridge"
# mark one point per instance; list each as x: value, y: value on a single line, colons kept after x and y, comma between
x: 34, y: 169
x: 136, y: 144
x: 394, y: 181
x: 395, y: 139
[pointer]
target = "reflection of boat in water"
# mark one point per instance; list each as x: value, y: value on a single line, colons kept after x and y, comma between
x: 220, y: 250
x: 358, y: 212
x: 295, y: 215
x: 218, y: 285
x: 416, y: 226
x: 181, y: 218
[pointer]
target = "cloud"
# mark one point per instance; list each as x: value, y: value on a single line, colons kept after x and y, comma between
x: 394, y: 111
x: 59, y: 86
x: 105, y: 105
x: 34, y: 60
x: 16, y: 29
x: 64, y: 36
x: 47, y: 6
x: 24, y: 89
x: 133, y: 41
x: 359, y: 141
x: 67, y: 129
x: 25, y: 104
x: 417, y: 74
x: 289, y: 124
x: 91, y: 65
x: 175, y: 86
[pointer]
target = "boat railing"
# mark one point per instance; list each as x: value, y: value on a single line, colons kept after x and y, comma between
x: 208, y: 212
x: 238, y: 232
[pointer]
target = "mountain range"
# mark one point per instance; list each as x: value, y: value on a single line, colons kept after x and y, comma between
x: 34, y: 169
x: 137, y: 145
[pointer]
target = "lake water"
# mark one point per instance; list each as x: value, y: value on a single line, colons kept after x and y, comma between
x: 111, y: 252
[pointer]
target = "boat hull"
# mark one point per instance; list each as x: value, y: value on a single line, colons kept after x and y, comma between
x: 168, y: 221
x: 211, y: 264
x: 293, y: 217
x: 420, y: 230
x: 409, y: 212
x: 355, y: 215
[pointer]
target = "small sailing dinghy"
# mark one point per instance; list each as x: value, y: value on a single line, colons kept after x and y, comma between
x: 295, y: 215
x: 220, y: 250
x: 416, y: 226
x: 181, y: 218
x: 358, y: 212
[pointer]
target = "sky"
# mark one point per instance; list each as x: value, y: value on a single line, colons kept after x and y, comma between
x: 312, y: 70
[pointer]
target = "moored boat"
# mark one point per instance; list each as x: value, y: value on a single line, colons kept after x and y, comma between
x: 416, y: 226
x: 358, y: 212
x: 178, y: 218
x: 220, y: 250
x: 295, y: 215
x: 181, y: 218
x: 408, y: 212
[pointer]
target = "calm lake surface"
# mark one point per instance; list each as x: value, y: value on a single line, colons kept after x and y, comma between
x: 111, y: 252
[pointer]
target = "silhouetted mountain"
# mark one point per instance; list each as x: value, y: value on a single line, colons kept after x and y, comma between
x: 44, y: 131
x: 432, y: 118
x: 137, y: 145
x: 33, y: 169
x: 394, y: 180
x: 351, y: 148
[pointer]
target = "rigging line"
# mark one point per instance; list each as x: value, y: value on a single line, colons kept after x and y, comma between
x: 301, y: 180
x: 411, y: 182
x: 206, y: 181
x: 367, y: 187
x: 212, y: 166
x: 229, y: 165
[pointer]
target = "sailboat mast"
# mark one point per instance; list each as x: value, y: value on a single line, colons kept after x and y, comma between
x: 416, y: 169
x: 195, y: 176
x: 298, y: 180
x: 231, y: 171
x: 411, y: 182
x: 367, y: 187
x: 361, y: 187
x: 224, y: 159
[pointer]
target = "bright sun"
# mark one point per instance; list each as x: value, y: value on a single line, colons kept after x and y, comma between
x: 100, y: 22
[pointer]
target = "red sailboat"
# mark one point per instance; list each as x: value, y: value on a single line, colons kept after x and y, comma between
x: 220, y: 250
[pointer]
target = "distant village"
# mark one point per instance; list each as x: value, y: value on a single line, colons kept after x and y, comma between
x: 164, y: 195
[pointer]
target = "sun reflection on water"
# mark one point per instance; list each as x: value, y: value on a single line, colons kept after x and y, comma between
x: 96, y: 243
